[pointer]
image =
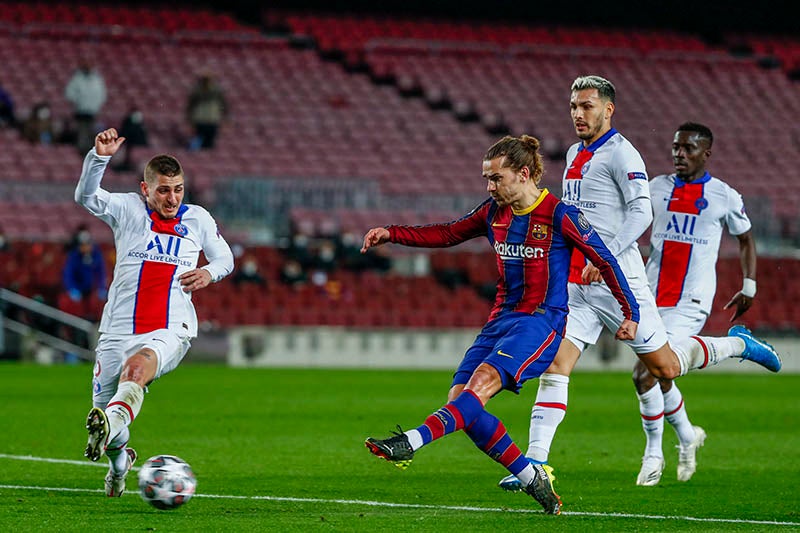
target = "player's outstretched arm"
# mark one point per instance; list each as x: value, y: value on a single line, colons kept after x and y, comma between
x: 627, y: 330
x: 375, y: 237
x: 107, y: 142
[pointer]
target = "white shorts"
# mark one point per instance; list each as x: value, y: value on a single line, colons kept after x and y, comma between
x: 683, y: 320
x: 113, y: 350
x: 593, y: 306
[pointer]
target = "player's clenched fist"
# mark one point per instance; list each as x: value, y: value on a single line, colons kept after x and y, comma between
x: 107, y: 142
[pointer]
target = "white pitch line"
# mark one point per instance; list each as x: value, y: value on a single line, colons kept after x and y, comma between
x: 57, y: 461
x: 389, y: 504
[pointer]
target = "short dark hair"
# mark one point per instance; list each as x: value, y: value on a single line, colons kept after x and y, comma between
x: 700, y: 129
x: 162, y: 165
x: 605, y: 89
x: 518, y: 152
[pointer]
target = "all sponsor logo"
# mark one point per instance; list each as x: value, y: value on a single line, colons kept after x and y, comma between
x: 170, y: 247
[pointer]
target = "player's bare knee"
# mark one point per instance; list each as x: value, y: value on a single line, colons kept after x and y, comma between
x: 140, y: 367
x: 566, y: 358
x: 665, y: 371
x: 485, y: 382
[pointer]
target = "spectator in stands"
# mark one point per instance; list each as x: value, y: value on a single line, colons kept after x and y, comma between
x: 84, y: 274
x: 248, y: 274
x: 38, y: 127
x: 350, y: 252
x: 205, y: 110
x: 380, y: 260
x: 79, y: 234
x: 7, y: 117
x: 135, y: 133
x: 350, y: 257
x: 325, y: 258
x: 300, y: 250
x: 86, y: 91
x: 293, y: 273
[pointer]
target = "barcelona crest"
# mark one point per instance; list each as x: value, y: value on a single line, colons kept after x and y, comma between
x: 539, y: 231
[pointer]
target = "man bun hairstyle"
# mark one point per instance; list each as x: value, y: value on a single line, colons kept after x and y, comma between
x: 519, y: 152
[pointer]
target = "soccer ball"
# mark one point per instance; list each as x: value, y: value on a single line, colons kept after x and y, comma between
x: 166, y: 482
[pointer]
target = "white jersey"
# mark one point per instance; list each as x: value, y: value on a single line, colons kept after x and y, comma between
x: 601, y: 180
x: 687, y: 227
x: 145, y: 294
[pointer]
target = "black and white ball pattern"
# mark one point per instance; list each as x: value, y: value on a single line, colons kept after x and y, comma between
x: 166, y: 482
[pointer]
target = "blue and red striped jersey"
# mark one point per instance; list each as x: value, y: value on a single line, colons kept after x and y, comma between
x: 532, y: 250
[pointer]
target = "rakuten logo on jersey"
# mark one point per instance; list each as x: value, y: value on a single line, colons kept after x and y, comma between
x: 517, y: 251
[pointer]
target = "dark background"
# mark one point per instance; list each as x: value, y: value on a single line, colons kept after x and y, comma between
x: 706, y: 16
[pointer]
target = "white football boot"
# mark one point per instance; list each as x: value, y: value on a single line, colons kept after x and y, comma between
x: 97, y: 426
x: 650, y: 474
x: 115, y: 484
x: 687, y: 455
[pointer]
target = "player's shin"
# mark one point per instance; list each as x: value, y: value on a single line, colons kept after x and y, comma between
x: 675, y: 414
x: 115, y: 451
x: 547, y: 413
x: 699, y: 352
x: 490, y: 435
x: 123, y: 407
x: 461, y: 412
x: 651, y: 407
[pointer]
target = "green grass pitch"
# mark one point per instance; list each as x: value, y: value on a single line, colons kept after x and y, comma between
x: 282, y: 450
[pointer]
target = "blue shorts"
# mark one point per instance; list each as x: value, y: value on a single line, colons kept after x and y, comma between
x: 519, y: 346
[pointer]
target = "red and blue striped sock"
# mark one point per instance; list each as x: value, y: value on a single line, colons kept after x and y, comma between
x: 454, y: 416
x: 490, y: 435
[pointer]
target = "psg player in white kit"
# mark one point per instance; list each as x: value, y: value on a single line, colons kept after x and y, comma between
x: 606, y: 178
x: 690, y: 209
x: 148, y: 320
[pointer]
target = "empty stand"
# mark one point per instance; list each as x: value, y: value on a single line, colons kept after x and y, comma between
x: 298, y: 119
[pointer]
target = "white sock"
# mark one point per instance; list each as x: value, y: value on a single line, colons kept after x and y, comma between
x: 115, y: 451
x: 675, y: 413
x: 414, y: 439
x: 123, y: 407
x: 700, y: 352
x: 651, y: 407
x: 547, y: 413
x: 526, y: 476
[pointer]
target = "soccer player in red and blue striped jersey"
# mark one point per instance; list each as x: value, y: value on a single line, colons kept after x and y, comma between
x: 533, y: 235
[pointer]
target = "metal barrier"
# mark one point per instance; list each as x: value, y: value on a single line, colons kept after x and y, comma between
x: 10, y: 299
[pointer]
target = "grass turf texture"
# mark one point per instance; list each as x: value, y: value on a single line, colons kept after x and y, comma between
x: 297, y: 435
